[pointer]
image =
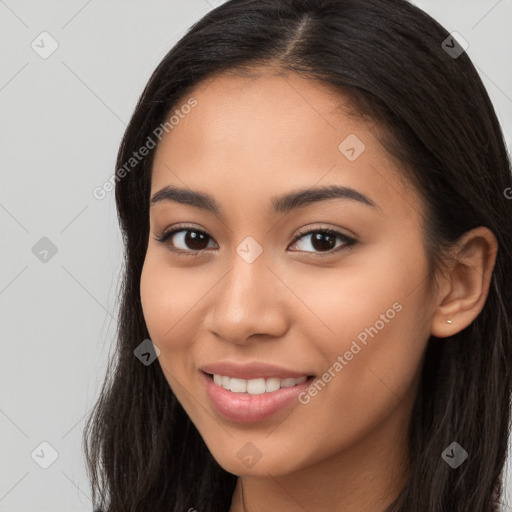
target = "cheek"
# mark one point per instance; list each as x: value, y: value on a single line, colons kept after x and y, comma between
x: 167, y: 295
x: 381, y: 330
x: 378, y: 375
x: 153, y: 297
x: 163, y: 297
x: 343, y: 302
x: 361, y: 390
x: 374, y: 310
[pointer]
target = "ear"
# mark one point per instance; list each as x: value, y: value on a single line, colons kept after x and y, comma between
x: 464, y: 286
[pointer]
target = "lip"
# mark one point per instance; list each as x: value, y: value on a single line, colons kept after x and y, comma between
x: 246, y: 408
x: 252, y: 370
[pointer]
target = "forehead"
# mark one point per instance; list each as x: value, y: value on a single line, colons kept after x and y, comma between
x: 255, y: 135
x: 270, y: 108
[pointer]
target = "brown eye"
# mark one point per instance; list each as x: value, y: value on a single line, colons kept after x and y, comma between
x: 324, y: 240
x: 189, y: 241
x: 185, y: 239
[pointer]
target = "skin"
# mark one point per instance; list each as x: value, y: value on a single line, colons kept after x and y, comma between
x: 247, y: 141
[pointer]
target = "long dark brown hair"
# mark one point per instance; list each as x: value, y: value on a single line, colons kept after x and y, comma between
x: 432, y: 113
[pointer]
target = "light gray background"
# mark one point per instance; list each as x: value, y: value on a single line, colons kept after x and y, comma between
x: 61, y: 122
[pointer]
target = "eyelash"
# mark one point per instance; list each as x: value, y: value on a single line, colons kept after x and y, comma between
x: 348, y: 242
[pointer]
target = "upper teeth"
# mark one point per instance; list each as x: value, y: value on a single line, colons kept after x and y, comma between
x: 255, y: 386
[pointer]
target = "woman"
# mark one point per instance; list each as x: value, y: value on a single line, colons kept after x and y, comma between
x: 315, y: 316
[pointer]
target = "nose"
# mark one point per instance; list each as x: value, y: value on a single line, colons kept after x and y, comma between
x: 248, y: 303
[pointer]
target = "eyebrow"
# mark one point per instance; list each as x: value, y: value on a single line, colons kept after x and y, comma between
x: 282, y: 204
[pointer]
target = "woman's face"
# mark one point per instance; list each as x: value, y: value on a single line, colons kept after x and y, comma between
x: 249, y: 288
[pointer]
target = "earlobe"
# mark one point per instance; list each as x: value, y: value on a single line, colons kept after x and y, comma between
x: 466, y: 285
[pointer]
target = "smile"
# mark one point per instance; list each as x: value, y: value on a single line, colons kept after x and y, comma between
x: 255, y: 386
x: 252, y: 400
